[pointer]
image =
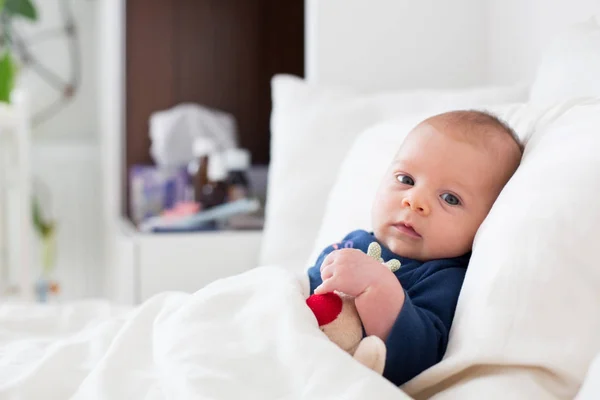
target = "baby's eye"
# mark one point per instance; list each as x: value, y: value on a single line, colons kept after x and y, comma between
x: 450, y: 199
x: 405, y: 179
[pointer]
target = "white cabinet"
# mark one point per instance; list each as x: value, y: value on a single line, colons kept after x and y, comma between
x: 147, y: 264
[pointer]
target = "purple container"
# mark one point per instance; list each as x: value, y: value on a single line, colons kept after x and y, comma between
x: 153, y: 190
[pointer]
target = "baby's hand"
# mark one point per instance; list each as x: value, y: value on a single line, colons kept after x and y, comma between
x: 352, y: 272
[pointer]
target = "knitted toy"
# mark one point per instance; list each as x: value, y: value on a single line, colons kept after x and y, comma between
x: 338, y: 318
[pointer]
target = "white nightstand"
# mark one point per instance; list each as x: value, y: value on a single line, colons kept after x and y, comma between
x: 147, y: 264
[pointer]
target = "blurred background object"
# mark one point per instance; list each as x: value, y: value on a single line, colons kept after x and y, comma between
x: 52, y: 45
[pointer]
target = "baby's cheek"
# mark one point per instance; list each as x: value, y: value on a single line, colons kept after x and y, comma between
x: 383, y: 207
x: 465, y: 235
x: 455, y: 237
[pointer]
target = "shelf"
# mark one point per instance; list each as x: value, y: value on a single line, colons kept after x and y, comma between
x: 128, y: 228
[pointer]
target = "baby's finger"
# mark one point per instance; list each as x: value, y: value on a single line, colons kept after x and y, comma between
x: 329, y: 259
x: 327, y: 272
x: 325, y: 287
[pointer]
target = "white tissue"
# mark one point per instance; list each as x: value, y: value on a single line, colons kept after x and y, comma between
x: 173, y: 131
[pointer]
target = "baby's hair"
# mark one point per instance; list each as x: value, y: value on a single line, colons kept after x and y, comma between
x: 479, y: 119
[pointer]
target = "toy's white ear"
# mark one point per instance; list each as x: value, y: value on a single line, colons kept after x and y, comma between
x: 374, y: 251
x: 371, y: 353
x: 393, y: 265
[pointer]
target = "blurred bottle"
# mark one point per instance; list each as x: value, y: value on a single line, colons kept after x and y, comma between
x: 207, y: 172
x: 215, y: 191
x: 237, y: 162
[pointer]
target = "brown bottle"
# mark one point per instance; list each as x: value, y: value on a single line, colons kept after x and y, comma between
x: 237, y: 162
x: 214, y: 191
x: 202, y: 150
x: 200, y: 178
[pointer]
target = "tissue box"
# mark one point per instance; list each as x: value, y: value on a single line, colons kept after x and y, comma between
x: 153, y: 190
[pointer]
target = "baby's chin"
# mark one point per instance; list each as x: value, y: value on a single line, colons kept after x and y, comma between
x: 418, y: 251
x: 405, y: 249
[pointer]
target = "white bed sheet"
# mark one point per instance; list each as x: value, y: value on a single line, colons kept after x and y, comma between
x: 250, y: 336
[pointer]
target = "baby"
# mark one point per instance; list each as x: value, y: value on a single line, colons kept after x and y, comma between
x: 433, y: 198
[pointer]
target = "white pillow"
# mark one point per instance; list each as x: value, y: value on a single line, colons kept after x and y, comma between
x: 312, y: 128
x: 590, y: 390
x: 570, y: 66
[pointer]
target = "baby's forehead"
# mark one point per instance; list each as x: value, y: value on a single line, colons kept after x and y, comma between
x: 475, y: 127
x: 448, y: 163
x: 484, y: 133
x: 491, y: 139
x: 456, y: 128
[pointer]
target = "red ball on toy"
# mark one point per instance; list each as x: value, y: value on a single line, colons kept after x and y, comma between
x: 326, y: 307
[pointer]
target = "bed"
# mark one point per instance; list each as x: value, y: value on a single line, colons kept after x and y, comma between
x: 528, y: 319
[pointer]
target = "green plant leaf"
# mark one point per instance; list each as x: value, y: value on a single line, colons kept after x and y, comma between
x: 37, y: 220
x: 2, y: 3
x: 24, y: 8
x: 36, y: 216
x: 7, y: 76
x: 43, y: 228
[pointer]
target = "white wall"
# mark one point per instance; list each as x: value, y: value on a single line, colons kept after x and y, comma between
x: 520, y: 30
x: 390, y: 44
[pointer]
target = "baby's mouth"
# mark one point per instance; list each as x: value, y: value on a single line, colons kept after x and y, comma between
x: 407, y: 229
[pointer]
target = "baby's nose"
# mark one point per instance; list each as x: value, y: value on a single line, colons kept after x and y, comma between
x: 416, y: 204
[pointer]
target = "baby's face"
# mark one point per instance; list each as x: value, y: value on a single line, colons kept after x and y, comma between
x: 436, y: 194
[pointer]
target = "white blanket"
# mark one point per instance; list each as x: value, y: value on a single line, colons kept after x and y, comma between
x: 246, y: 337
